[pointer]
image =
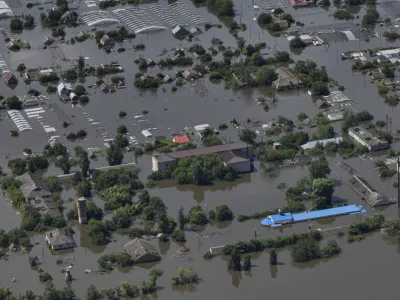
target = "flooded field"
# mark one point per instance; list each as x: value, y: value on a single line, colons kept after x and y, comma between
x: 169, y: 112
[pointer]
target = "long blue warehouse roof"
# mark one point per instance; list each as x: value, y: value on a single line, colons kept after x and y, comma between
x: 275, y: 220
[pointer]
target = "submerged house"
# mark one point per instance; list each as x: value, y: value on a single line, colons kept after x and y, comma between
x: 367, y: 192
x: 59, y: 239
x: 38, y: 194
x: 9, y: 78
x: 142, y: 251
x: 286, y: 80
x: 106, y: 41
x: 237, y: 155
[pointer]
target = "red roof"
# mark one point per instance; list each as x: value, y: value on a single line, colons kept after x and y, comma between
x: 181, y: 139
x: 8, y: 76
x: 296, y: 3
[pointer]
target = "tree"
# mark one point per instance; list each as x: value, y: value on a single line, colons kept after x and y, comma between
x: 257, y: 59
x: 97, y: 232
x: 364, y: 116
x: 16, y: 24
x: 266, y: 75
x: 264, y: 19
x: 80, y: 90
x: 81, y: 63
x: 83, y: 189
x: 181, y: 219
x: 64, y: 164
x: 325, y: 132
x: 305, y: 250
x: 282, y: 56
x: 240, y: 43
x: 29, y: 21
x: 84, y: 163
x: 370, y: 18
x: 221, y: 7
x: 21, y: 67
x: 296, y: 43
x: 223, y: 213
x: 273, y: 257
x: 37, y: 163
x: 13, y: 102
x: 53, y: 184
x: 121, y: 141
x: 70, y: 74
x: 114, y: 155
x: 248, y: 136
x: 122, y: 129
x: 247, y: 262
x: 92, y: 293
x: 198, y: 218
x: 131, y: 290
x: 319, y: 169
x: 319, y: 88
x: 234, y: 261
x: 17, y: 166
x: 6, y: 294
x: 323, y: 187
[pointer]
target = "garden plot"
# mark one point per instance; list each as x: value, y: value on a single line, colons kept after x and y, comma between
x: 98, y: 18
x: 188, y: 13
x: 138, y: 19
x: 167, y: 15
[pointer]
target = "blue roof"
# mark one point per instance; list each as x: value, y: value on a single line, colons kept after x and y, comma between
x: 312, y: 215
x: 283, y: 217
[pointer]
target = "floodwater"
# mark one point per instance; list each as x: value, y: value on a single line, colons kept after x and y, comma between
x: 349, y: 274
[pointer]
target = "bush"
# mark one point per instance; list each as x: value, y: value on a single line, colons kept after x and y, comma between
x: 179, y: 236
x: 305, y: 250
x: 296, y: 43
x: 185, y: 276
x: 330, y: 250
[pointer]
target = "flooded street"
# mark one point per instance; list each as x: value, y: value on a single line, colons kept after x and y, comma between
x: 347, y: 276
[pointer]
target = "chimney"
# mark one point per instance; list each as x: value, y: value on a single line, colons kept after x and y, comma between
x: 82, y: 210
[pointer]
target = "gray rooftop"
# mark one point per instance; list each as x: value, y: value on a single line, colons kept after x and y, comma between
x: 138, y: 248
x: 32, y: 186
x: 172, y: 156
x: 58, y: 237
x: 367, y: 192
x: 368, y: 136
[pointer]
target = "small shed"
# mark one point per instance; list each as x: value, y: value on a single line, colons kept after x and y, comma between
x: 179, y: 31
x: 190, y: 74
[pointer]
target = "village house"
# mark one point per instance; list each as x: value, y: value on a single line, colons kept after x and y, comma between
x: 142, y: 251
x: 68, y: 17
x: 9, y: 78
x: 37, y: 194
x: 368, y: 138
x: 286, y: 80
x: 179, y: 31
x: 64, y: 88
x: 59, y: 239
x: 106, y: 41
x: 237, y: 155
x: 47, y: 41
x: 190, y: 74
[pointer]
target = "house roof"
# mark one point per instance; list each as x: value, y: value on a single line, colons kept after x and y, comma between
x: 8, y: 76
x: 188, y: 73
x: 59, y: 237
x: 172, y: 156
x: 46, y: 206
x: 232, y: 157
x: 140, y: 247
x: 32, y: 186
x: 181, y: 139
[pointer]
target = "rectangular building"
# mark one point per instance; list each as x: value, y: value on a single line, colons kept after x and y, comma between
x: 238, y: 155
x: 368, y: 138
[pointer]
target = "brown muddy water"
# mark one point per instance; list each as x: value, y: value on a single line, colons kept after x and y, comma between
x: 345, y: 277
